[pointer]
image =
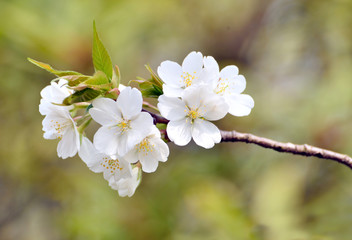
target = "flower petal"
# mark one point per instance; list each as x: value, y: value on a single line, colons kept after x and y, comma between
x: 205, y: 134
x: 170, y: 72
x: 214, y: 107
x: 87, y: 151
x: 210, y: 73
x: 179, y: 131
x: 105, y: 111
x: 171, y: 108
x: 170, y: 91
x: 67, y: 146
x: 130, y: 102
x: 229, y: 71
x: 103, y: 118
x: 240, y: 104
x: 106, y: 141
x: 193, y: 63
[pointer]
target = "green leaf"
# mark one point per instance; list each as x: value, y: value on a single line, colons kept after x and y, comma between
x: 52, y: 70
x: 98, y: 78
x: 101, y: 58
x: 74, y: 80
x: 116, y: 77
x: 155, y: 78
x: 148, y: 89
x: 84, y: 95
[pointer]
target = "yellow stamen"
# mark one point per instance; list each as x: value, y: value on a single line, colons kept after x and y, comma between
x: 187, y: 78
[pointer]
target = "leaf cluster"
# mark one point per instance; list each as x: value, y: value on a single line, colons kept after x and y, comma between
x: 87, y: 87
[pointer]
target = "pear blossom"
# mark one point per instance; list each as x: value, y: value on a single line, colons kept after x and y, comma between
x: 59, y: 124
x: 189, y: 117
x: 177, y: 78
x: 126, y: 186
x: 111, y: 167
x: 228, y: 84
x: 149, y: 151
x: 123, y: 123
x: 53, y: 94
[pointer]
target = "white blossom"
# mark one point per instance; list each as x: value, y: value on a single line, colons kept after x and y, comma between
x: 53, y: 94
x: 111, y: 167
x: 58, y: 124
x: 126, y: 186
x: 189, y: 117
x: 228, y: 84
x: 177, y: 78
x: 123, y: 123
x: 149, y: 151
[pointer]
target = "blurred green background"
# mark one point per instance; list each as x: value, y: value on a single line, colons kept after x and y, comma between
x: 297, y: 59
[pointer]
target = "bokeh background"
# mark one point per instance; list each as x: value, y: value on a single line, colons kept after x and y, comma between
x: 297, y: 59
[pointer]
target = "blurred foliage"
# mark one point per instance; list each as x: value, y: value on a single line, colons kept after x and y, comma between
x: 297, y: 58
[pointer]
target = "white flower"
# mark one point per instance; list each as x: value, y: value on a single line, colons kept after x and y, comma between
x: 189, y: 116
x: 54, y: 93
x: 58, y: 124
x: 149, y: 152
x: 177, y: 78
x: 126, y: 186
x: 116, y: 168
x: 229, y: 85
x: 123, y: 123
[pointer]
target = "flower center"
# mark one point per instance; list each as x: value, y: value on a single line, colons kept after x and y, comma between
x: 59, y: 127
x: 145, y: 146
x: 124, y: 125
x: 188, y: 78
x: 193, y: 114
x: 111, y: 164
x: 221, y: 86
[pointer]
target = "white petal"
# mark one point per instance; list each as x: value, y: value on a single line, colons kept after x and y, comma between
x: 149, y: 164
x: 161, y: 151
x: 240, y: 104
x: 170, y: 91
x: 210, y: 73
x: 103, y: 118
x: 194, y: 96
x: 149, y: 158
x: 170, y: 72
x: 56, y: 92
x: 235, y: 85
x: 179, y: 131
x: 132, y: 156
x: 126, y: 186
x: 106, y: 141
x: 130, y: 102
x: 67, y: 147
x: 205, y: 133
x: 229, y: 71
x: 214, y: 107
x: 87, y: 151
x: 142, y: 124
x: 193, y: 63
x: 105, y: 110
x: 171, y: 108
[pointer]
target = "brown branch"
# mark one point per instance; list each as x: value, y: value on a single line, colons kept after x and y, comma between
x: 304, y: 149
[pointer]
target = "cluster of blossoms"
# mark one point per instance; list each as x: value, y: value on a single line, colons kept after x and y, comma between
x: 196, y: 93
x: 129, y: 142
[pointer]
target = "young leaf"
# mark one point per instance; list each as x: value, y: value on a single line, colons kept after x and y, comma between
x: 116, y: 77
x: 155, y: 78
x: 52, y: 70
x: 85, y: 95
x: 101, y: 58
x: 74, y: 80
x: 98, y: 78
x: 149, y: 89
